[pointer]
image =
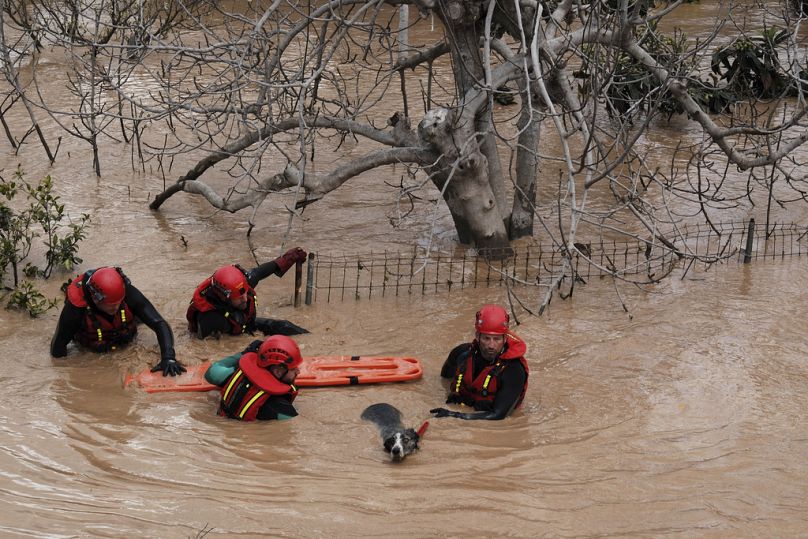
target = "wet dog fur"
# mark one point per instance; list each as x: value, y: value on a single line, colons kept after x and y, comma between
x: 398, y: 441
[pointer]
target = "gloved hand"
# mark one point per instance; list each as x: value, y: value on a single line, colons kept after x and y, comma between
x: 453, y: 398
x: 288, y: 259
x: 253, y: 346
x: 443, y: 412
x: 268, y: 326
x: 169, y: 366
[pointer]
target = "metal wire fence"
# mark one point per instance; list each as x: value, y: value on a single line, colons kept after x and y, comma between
x: 382, y: 274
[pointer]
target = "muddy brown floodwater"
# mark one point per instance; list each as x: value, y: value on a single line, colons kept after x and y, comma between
x: 685, y: 419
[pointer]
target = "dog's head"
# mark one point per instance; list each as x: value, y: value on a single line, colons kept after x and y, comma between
x: 401, y: 443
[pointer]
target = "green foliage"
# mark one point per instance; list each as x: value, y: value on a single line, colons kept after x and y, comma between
x: 629, y: 87
x: 638, y: 7
x: 48, y: 212
x: 749, y: 66
x: 504, y: 96
x: 43, y: 218
x: 26, y: 297
x: 746, y: 69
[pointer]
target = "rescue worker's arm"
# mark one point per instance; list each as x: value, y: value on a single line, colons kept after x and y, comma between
x: 218, y: 373
x: 145, y: 311
x: 279, y: 266
x: 269, y: 326
x: 69, y: 323
x: 513, y: 380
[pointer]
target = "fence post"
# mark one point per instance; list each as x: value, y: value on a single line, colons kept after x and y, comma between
x: 309, y: 278
x: 298, y: 281
x: 750, y: 235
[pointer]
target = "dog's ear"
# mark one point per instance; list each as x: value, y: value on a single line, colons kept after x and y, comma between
x: 388, y: 443
x: 412, y: 435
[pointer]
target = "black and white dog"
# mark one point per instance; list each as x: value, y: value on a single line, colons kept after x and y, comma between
x: 398, y: 440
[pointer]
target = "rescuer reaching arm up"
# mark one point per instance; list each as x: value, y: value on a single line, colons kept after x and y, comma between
x: 225, y: 302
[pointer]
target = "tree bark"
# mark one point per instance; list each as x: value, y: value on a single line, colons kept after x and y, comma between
x: 477, y: 211
x: 488, y: 146
x: 461, y: 174
x: 527, y: 170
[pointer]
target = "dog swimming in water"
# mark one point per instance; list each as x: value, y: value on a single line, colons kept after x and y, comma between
x: 398, y: 441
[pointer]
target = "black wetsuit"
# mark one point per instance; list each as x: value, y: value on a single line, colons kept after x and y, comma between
x: 214, y: 322
x: 511, y: 381
x: 72, y: 317
x: 277, y: 407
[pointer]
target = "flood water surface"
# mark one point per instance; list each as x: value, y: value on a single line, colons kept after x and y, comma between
x: 683, y: 417
x: 686, y: 418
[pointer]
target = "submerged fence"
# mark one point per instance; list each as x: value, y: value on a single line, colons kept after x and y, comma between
x: 382, y: 274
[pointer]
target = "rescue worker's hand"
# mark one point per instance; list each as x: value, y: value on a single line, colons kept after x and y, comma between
x: 289, y: 259
x: 268, y: 326
x: 169, y: 366
x: 253, y: 346
x: 443, y: 412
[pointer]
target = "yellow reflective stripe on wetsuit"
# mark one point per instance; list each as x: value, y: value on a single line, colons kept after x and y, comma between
x: 457, y: 384
x: 488, y: 376
x: 243, y: 326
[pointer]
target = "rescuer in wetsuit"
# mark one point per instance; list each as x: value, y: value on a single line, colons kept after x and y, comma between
x: 225, y: 302
x: 489, y: 374
x: 258, y: 383
x: 101, y: 313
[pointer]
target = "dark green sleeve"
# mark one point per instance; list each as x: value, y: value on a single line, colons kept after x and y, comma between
x: 218, y: 373
x: 277, y: 407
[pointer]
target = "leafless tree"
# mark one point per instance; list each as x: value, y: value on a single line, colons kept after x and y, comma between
x: 260, y: 87
x: 103, y: 39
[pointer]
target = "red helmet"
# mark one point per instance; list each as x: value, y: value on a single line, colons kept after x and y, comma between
x: 279, y: 350
x: 229, y: 281
x: 106, y: 286
x: 492, y: 320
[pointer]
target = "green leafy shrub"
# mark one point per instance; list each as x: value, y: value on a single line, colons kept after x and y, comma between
x: 750, y: 67
x: 43, y: 217
x: 26, y: 297
x: 626, y: 84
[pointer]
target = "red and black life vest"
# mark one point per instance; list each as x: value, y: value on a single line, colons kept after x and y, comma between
x: 206, y: 299
x: 99, y: 332
x: 481, y: 390
x: 247, y: 389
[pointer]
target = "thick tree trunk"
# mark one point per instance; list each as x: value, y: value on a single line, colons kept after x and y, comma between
x: 461, y: 19
x: 476, y: 209
x: 527, y: 171
x: 468, y: 194
x: 488, y: 146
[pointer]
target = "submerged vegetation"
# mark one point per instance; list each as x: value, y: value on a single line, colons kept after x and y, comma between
x: 38, y: 216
